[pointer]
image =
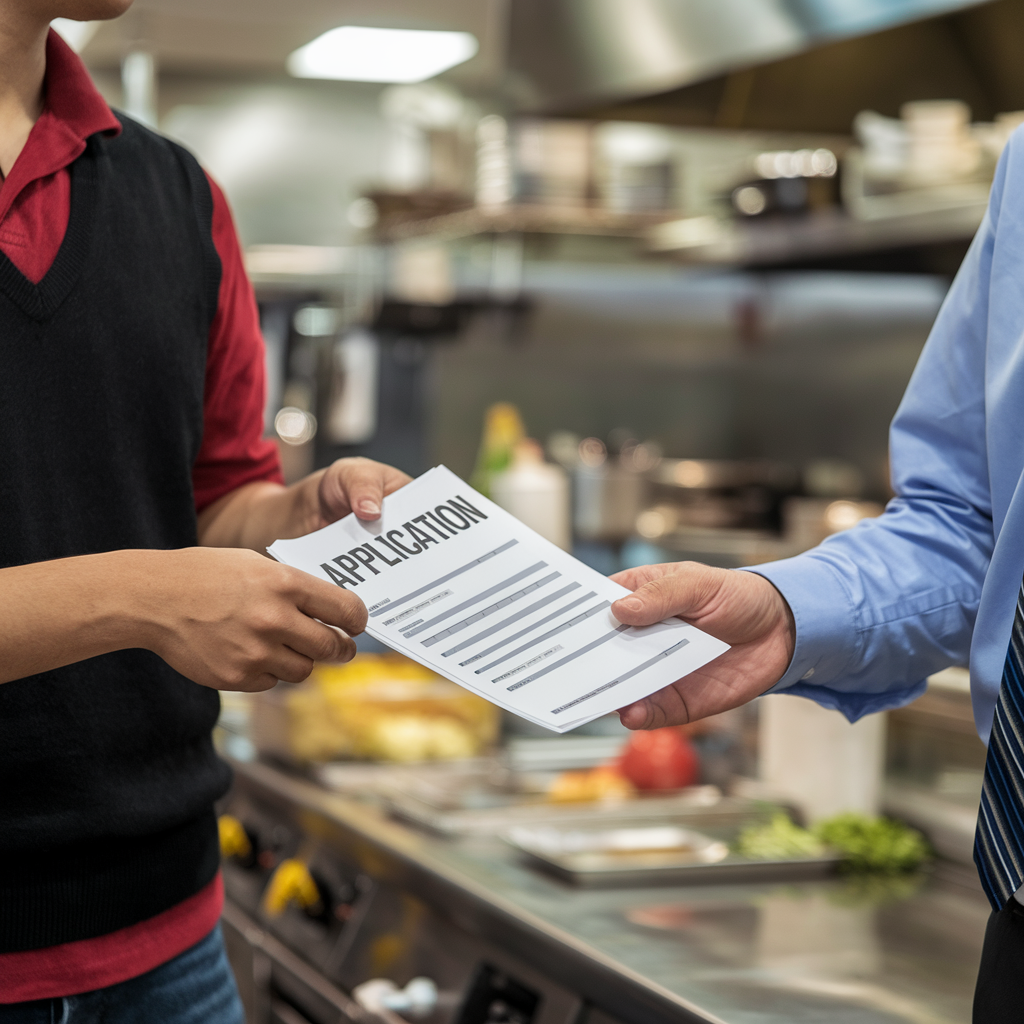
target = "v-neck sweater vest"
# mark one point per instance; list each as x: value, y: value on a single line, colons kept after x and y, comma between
x: 107, y: 769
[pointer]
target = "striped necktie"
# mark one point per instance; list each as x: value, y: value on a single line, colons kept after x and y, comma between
x: 999, y: 839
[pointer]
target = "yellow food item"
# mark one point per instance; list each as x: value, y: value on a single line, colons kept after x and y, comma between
x: 386, y: 707
x: 603, y: 783
x: 419, y: 738
x: 290, y: 883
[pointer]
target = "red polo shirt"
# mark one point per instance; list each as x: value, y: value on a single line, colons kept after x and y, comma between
x: 35, y: 202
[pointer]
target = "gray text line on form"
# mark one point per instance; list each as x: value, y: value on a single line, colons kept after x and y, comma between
x: 490, y: 609
x: 497, y: 627
x: 621, y: 679
x: 536, y: 567
x: 572, y: 657
x: 560, y: 628
x: 444, y: 579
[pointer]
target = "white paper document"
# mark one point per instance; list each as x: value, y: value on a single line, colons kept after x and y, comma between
x: 458, y: 584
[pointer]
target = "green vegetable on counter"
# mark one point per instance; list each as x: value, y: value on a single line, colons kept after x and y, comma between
x: 874, y: 844
x: 779, y: 839
x: 877, y: 845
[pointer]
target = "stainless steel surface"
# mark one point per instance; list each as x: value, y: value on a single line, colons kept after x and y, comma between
x: 607, y: 500
x: 646, y: 854
x: 273, y: 963
x: 565, y: 52
x: 825, y: 234
x: 840, y: 951
x: 492, y: 821
x: 487, y: 796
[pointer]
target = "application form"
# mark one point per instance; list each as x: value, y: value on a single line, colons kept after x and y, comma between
x: 456, y: 583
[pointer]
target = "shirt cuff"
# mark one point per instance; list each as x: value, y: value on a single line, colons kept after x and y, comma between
x: 826, y: 634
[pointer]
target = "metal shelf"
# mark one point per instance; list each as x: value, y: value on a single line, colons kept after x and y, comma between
x: 823, y: 235
x: 708, y: 241
x: 522, y: 219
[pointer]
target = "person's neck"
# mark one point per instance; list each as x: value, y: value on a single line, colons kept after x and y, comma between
x: 22, y: 70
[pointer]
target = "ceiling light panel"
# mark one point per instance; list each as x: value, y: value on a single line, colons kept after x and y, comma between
x: 356, y: 54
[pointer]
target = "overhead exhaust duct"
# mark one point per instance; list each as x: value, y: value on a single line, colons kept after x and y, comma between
x: 700, y: 61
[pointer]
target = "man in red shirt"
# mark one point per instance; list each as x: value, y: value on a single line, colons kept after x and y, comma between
x: 180, y: 593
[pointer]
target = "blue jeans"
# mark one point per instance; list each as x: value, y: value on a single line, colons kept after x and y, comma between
x: 196, y: 987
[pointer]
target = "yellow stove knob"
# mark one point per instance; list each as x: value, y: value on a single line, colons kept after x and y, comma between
x: 233, y: 839
x: 290, y: 883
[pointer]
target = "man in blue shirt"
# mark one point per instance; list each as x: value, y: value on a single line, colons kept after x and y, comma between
x: 858, y: 623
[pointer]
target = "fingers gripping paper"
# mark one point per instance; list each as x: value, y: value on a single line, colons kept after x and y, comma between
x: 458, y: 584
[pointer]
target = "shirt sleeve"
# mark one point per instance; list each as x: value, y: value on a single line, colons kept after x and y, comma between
x: 885, y: 604
x: 233, y: 451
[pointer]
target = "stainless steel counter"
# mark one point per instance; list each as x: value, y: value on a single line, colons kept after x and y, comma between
x: 849, y: 951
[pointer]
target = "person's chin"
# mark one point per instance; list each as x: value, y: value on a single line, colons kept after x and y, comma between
x: 88, y: 10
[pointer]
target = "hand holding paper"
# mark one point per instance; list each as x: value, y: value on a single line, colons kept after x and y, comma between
x: 455, y: 582
x: 742, y: 608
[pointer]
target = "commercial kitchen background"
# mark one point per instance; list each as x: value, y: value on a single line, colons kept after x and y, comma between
x: 645, y: 222
x: 712, y: 363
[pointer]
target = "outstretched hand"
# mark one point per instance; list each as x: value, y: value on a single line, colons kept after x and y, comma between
x: 255, y: 515
x: 741, y: 608
x: 356, y: 485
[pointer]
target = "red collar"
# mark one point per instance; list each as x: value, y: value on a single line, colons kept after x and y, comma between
x: 71, y: 97
x: 73, y: 110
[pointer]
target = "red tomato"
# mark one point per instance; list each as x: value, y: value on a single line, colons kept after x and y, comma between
x: 659, y: 759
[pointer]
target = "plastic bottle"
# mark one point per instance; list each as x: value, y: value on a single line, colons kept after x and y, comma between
x: 536, y: 493
x: 503, y: 430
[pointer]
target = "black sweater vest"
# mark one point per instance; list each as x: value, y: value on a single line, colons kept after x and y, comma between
x: 107, y: 769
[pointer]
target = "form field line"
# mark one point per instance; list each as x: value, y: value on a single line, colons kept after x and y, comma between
x: 572, y: 657
x: 536, y: 567
x: 391, y: 605
x: 561, y: 627
x: 621, y: 679
x: 490, y: 631
x: 489, y: 610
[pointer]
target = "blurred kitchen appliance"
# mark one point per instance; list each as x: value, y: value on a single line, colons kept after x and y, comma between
x: 317, y: 917
x: 364, y: 388
x: 806, y: 522
x: 929, y: 159
x: 788, y: 183
x: 721, y: 494
x: 551, y: 161
x: 607, y: 500
x: 494, y: 180
x: 352, y: 405
x: 635, y: 167
x: 940, y: 145
x: 815, y: 759
x: 428, y: 140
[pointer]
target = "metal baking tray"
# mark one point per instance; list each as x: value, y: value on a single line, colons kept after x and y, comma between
x: 697, y: 805
x: 652, y: 855
x: 485, y: 797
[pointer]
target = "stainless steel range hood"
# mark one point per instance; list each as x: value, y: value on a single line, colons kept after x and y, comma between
x: 707, y: 61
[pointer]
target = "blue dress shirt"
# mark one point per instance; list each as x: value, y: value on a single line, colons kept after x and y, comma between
x: 933, y: 582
